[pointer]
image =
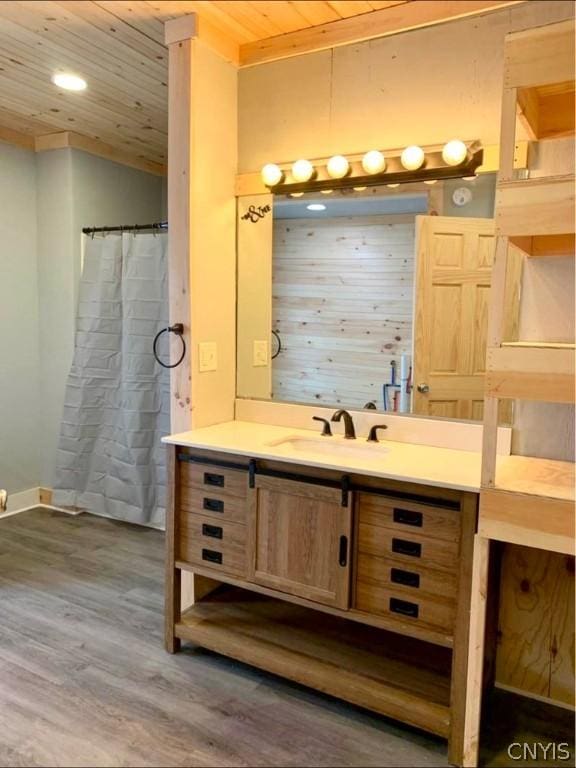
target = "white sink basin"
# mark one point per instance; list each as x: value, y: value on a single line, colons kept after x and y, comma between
x: 330, y: 446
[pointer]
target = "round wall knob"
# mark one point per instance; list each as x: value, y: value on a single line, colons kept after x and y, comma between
x: 423, y: 388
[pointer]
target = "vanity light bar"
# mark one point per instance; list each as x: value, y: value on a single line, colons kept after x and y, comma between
x: 455, y: 160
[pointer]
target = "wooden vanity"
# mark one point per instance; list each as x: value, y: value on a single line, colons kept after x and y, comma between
x: 354, y: 585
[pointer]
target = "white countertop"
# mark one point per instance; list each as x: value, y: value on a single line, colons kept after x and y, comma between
x: 427, y: 465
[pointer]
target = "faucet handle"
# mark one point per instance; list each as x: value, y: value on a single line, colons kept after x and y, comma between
x: 373, y: 434
x: 326, y: 431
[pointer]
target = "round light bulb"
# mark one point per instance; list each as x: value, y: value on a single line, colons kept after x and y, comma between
x: 296, y: 194
x: 359, y: 189
x: 69, y: 81
x: 412, y: 158
x: 337, y: 167
x: 431, y: 181
x: 392, y: 186
x: 469, y: 178
x: 374, y: 162
x: 271, y: 175
x: 326, y: 191
x: 302, y: 170
x: 454, y: 152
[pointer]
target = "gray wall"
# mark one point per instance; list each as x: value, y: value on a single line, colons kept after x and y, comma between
x: 45, y: 200
x: 19, y: 358
x: 76, y: 190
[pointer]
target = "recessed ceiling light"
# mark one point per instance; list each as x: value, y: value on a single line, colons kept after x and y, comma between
x: 316, y: 207
x: 68, y: 81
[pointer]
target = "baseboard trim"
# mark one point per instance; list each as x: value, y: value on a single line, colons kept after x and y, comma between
x: 33, y: 498
x: 534, y: 696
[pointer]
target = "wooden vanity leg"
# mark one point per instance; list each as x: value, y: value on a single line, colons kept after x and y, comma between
x: 173, y: 578
x: 469, y: 512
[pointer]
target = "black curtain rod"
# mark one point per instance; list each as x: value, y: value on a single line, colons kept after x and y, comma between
x: 159, y: 225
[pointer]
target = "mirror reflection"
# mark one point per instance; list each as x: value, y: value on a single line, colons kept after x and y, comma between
x: 368, y: 298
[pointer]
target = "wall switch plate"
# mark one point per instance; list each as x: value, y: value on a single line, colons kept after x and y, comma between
x: 260, y: 354
x: 207, y: 356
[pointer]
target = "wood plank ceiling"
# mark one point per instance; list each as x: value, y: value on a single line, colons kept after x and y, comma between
x: 118, y: 47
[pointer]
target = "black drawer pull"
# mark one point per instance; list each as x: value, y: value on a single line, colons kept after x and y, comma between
x: 214, y: 505
x: 403, y: 547
x: 403, y: 607
x: 407, y: 578
x: 212, y: 479
x: 213, y: 531
x: 407, y: 517
x: 211, y: 556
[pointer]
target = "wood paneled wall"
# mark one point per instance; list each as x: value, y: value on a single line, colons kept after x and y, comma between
x: 343, y: 305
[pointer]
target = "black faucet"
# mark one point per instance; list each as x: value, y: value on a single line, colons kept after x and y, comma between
x: 373, y: 434
x: 349, y: 431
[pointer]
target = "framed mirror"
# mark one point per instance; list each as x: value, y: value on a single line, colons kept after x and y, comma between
x: 367, y: 298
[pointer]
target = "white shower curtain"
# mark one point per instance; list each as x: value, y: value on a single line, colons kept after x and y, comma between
x: 110, y: 460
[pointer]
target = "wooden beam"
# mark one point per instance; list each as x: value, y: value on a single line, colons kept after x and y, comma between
x: 367, y: 26
x: 194, y: 26
x: 71, y: 140
x: 8, y: 136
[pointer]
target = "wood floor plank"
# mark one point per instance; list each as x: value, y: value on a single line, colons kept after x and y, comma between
x: 85, y: 681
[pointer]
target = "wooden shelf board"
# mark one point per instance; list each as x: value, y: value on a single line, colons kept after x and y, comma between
x: 540, y: 56
x: 381, y: 671
x: 546, y: 246
x: 547, y: 112
x: 540, y: 206
x: 540, y: 477
x: 535, y: 371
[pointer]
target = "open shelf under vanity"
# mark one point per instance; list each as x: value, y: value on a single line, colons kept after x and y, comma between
x: 398, y: 676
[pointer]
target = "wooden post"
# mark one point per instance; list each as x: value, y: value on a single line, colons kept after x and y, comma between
x: 202, y: 167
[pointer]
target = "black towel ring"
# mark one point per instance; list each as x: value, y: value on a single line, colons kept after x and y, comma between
x: 178, y: 329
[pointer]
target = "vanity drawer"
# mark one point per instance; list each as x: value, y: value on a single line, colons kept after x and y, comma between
x: 381, y: 601
x: 412, y: 579
x: 214, y: 479
x: 211, y: 503
x: 213, y: 544
x: 408, y: 517
x: 407, y: 547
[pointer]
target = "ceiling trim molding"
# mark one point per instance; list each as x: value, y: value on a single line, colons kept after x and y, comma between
x: 9, y: 136
x: 195, y: 26
x: 367, y: 26
x: 71, y: 140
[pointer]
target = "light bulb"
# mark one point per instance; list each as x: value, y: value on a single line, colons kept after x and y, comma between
x: 392, y: 186
x: 296, y: 194
x: 316, y: 207
x: 326, y: 191
x: 412, y: 158
x: 373, y: 162
x: 469, y: 178
x: 454, y: 152
x: 359, y: 189
x: 69, y: 81
x: 431, y: 181
x: 337, y: 167
x: 271, y: 175
x: 302, y: 170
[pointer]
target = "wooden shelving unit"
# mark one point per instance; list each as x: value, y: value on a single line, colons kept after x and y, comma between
x: 521, y: 496
x: 524, y: 500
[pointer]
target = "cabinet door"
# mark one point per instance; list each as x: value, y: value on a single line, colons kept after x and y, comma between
x: 299, y: 540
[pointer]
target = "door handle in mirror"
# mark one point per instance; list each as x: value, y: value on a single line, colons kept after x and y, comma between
x: 424, y: 388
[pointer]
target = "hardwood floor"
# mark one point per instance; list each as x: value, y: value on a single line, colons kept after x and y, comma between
x: 84, y: 679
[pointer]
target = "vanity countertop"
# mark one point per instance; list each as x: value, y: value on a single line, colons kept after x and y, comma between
x: 407, y: 462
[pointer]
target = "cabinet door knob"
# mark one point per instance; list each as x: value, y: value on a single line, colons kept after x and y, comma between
x: 424, y: 388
